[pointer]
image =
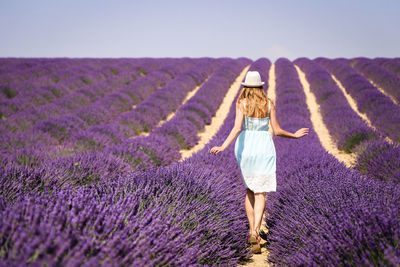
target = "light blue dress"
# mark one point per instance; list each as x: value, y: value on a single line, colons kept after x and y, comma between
x: 255, y: 154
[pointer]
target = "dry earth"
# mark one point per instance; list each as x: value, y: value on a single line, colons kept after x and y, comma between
x: 319, y: 126
x: 353, y: 105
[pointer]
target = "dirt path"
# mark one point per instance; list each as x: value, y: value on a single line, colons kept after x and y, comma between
x: 353, y: 105
x: 172, y: 114
x: 319, y: 126
x: 210, y: 130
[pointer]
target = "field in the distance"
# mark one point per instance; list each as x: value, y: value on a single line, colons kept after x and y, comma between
x: 106, y: 162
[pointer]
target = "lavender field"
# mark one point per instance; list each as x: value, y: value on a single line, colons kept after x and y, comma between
x: 92, y: 172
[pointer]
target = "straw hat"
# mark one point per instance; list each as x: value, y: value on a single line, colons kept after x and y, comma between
x: 253, y: 79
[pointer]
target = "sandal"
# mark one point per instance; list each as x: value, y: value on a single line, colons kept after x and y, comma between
x: 254, y: 241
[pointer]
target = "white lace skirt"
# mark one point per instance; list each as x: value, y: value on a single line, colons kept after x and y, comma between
x: 256, y: 156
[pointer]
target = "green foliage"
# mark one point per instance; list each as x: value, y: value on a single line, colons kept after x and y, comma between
x: 196, y: 123
x: 13, y: 107
x: 142, y: 71
x: 152, y: 155
x: 199, y: 112
x: 88, y: 144
x: 114, y: 71
x: 353, y: 140
x: 180, y: 141
x: 325, y: 96
x: 169, y: 73
x: 190, y: 223
x: 136, y: 128
x: 86, y: 80
x: 27, y: 160
x: 134, y: 78
x: 133, y: 97
x: 9, y: 92
x: 127, y: 81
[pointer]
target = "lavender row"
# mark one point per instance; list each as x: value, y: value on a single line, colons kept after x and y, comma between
x: 40, y: 108
x: 324, y: 214
x: 161, y: 103
x: 123, y: 100
x: 81, y: 137
x: 17, y: 81
x: 383, y: 113
x: 95, y: 118
x: 154, y: 150
x: 379, y: 159
x: 32, y: 69
x: 344, y: 125
x: 77, y: 79
x: 162, y: 146
x: 383, y: 78
x: 170, y: 215
x: 112, y: 219
x: 391, y: 64
x: 14, y: 147
x: 20, y: 147
x: 109, y: 93
x: 375, y: 157
x: 37, y: 96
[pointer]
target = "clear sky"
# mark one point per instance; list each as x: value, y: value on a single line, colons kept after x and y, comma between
x: 187, y: 28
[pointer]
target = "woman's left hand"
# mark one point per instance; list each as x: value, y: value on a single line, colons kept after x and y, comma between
x: 216, y: 149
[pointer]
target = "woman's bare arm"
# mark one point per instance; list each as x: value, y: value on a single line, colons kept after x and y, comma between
x: 280, y: 132
x: 237, y: 128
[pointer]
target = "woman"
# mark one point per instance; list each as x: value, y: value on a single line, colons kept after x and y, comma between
x: 255, y: 150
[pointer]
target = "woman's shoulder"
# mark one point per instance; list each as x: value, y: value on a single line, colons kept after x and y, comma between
x: 271, y: 101
x: 242, y: 102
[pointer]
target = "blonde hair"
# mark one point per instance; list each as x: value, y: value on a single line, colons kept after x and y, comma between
x: 256, y: 101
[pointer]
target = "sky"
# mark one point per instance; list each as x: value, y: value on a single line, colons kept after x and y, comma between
x: 204, y: 28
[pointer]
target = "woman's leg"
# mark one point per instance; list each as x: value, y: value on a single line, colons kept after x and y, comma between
x: 259, y: 207
x: 249, y: 204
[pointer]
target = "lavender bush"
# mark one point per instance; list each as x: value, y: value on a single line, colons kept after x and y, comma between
x: 323, y: 213
x: 118, y: 205
x: 348, y: 132
x: 383, y: 78
x: 170, y: 215
x: 383, y: 113
x: 70, y: 102
x: 379, y: 159
x: 392, y: 65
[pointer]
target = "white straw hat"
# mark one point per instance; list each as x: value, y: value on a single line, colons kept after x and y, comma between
x: 253, y: 79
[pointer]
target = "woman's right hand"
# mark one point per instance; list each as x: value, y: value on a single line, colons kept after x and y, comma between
x: 301, y: 132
